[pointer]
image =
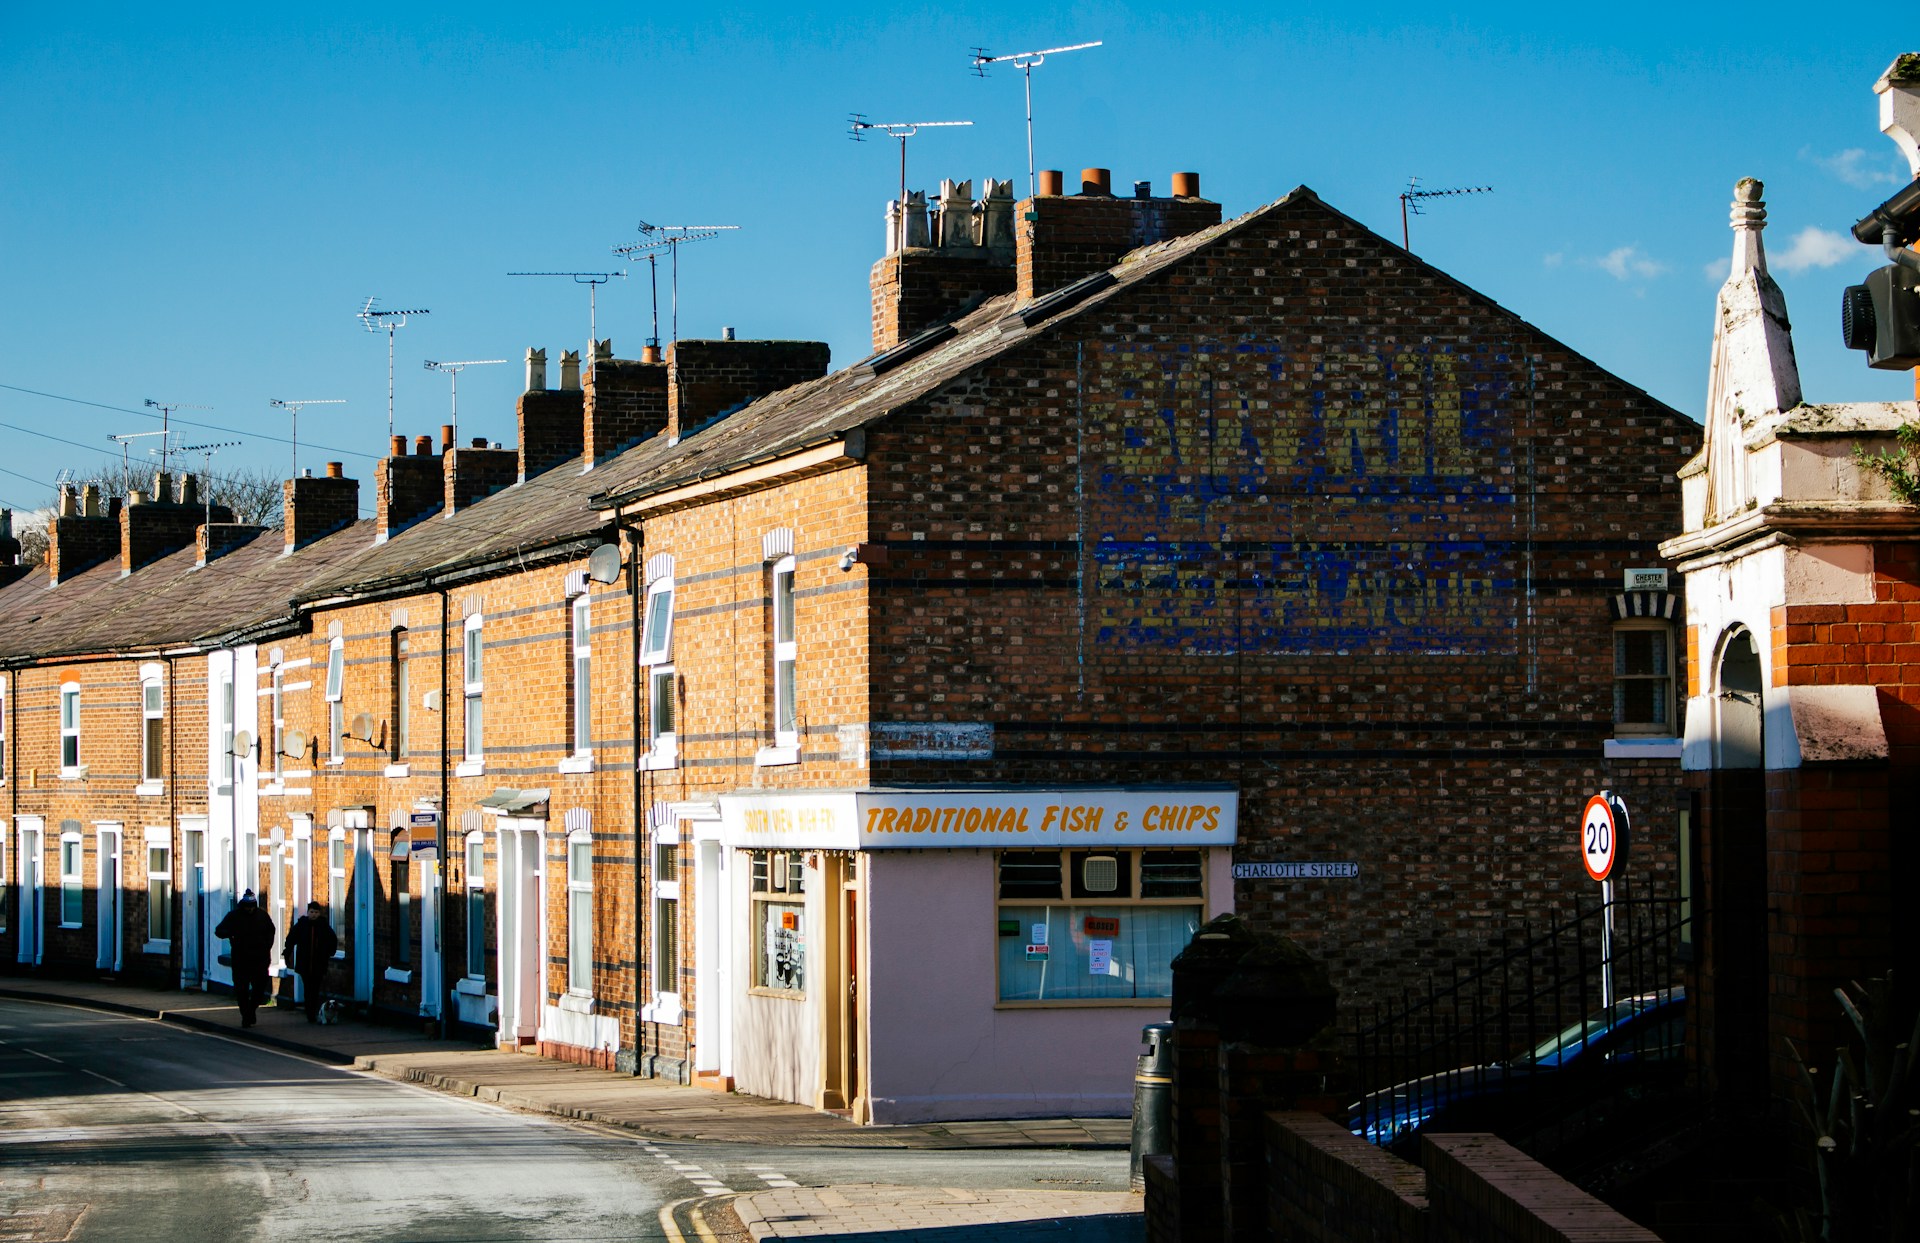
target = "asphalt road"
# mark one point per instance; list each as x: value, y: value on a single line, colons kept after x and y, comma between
x: 125, y: 1128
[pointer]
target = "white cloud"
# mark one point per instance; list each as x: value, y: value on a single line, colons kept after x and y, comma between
x: 1716, y: 271
x: 1816, y: 248
x: 1855, y: 167
x: 1626, y: 263
x: 1553, y: 260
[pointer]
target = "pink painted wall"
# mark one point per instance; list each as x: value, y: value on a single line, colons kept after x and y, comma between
x: 937, y: 1048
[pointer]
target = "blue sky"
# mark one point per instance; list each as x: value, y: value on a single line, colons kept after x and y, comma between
x: 194, y: 205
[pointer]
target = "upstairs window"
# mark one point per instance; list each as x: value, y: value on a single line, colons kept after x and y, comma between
x: 786, y: 712
x: 1645, y: 659
x: 656, y: 657
x: 70, y: 726
x: 582, y: 670
x: 402, y: 708
x: 336, y: 708
x: 475, y: 687
x: 153, y: 748
x: 226, y: 730
x: 277, y: 729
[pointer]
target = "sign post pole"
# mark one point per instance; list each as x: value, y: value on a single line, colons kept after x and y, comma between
x: 1603, y: 841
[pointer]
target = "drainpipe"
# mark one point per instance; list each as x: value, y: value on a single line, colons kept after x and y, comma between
x: 444, y: 912
x: 640, y: 846
x: 1896, y: 253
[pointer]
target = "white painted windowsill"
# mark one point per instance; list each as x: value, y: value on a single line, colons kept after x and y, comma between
x: 74, y: 774
x: 470, y: 986
x: 1643, y: 748
x: 470, y: 768
x: 576, y: 1003
x: 150, y: 789
x: 396, y: 770
x: 661, y: 757
x: 577, y: 763
x: 157, y: 947
x: 665, y: 1009
x: 769, y: 757
x: 399, y: 977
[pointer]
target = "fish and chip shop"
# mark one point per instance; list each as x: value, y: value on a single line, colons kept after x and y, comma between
x: 910, y: 955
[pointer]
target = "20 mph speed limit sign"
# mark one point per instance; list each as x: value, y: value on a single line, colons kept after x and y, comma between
x: 1603, y: 835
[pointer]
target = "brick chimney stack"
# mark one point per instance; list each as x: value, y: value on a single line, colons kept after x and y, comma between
x: 551, y: 420
x: 10, y: 567
x: 410, y: 488
x: 936, y: 269
x: 476, y: 472
x: 1068, y: 236
x: 216, y: 540
x: 626, y: 402
x: 160, y: 526
x: 319, y: 507
x: 711, y: 378
x: 79, y: 536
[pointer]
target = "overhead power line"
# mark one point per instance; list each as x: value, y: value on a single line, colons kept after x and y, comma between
x: 212, y: 427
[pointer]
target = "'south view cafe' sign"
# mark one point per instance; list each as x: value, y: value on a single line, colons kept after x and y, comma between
x: 982, y: 818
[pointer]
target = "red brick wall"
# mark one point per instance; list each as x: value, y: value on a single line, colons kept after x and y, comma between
x: 711, y: 377
x: 916, y: 289
x: 1060, y: 239
x: 626, y: 403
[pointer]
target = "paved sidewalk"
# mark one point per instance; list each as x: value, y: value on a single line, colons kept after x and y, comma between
x: 646, y: 1106
x: 877, y: 1213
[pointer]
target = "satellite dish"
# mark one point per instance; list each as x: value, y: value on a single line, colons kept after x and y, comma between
x: 603, y: 566
x: 242, y: 743
x: 362, y: 727
x: 293, y: 744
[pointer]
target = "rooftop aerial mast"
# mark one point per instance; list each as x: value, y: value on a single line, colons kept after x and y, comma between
x: 1413, y: 196
x: 378, y: 320
x: 901, y: 130
x: 453, y: 371
x: 293, y: 408
x: 1026, y: 63
x: 166, y: 409
x: 670, y: 238
x: 593, y: 281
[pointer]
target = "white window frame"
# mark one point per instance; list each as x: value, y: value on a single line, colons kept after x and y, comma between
x: 473, y: 714
x: 782, y: 685
x: 580, y: 615
x: 277, y: 719
x: 666, y: 1006
x: 338, y: 911
x: 153, y: 715
x: 579, y: 896
x: 656, y: 658
x: 70, y: 766
x: 336, y: 703
x: 73, y: 880
x: 400, y: 912
x: 228, y: 765
x: 779, y: 892
x: 473, y: 880
x: 160, y: 839
x: 399, y: 652
x: 1645, y: 729
x: 4, y: 770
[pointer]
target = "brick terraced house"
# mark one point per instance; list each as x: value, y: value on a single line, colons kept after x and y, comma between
x: 874, y: 738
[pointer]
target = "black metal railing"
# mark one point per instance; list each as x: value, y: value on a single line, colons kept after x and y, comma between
x: 1526, y: 1041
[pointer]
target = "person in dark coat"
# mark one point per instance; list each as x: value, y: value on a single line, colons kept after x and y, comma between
x: 310, y: 946
x: 248, y: 931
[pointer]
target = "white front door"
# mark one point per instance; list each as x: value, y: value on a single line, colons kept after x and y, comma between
x: 32, y: 869
x: 107, y: 898
x: 522, y: 929
x: 431, y: 986
x: 713, y: 985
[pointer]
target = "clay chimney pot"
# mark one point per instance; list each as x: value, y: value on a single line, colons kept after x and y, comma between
x: 335, y: 470
x: 1096, y: 181
x: 399, y: 447
x: 1186, y: 185
x: 1052, y: 181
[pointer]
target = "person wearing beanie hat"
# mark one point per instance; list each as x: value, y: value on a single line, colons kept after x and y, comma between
x: 248, y: 931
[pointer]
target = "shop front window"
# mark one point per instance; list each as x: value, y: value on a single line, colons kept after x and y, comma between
x: 1095, y: 925
x: 779, y: 930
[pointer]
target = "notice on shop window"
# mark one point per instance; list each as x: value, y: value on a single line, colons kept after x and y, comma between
x: 1100, y: 958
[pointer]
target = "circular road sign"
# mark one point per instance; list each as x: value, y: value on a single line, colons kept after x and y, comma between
x: 1603, y: 830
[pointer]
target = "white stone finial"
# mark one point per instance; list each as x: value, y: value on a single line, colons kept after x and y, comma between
x: 1753, y: 372
x: 1749, y: 217
x: 569, y: 369
x: 956, y: 213
x: 1899, y: 92
x: 536, y: 371
x: 915, y: 230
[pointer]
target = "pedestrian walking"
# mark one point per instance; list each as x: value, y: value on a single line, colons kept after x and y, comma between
x: 310, y: 946
x: 248, y: 931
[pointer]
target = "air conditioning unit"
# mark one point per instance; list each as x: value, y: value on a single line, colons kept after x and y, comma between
x: 1882, y: 317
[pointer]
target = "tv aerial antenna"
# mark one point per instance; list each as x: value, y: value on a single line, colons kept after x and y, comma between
x: 670, y: 238
x: 378, y: 319
x: 124, y: 439
x: 1026, y: 63
x: 1413, y: 196
x: 206, y: 453
x: 166, y: 408
x: 901, y: 130
x: 453, y: 371
x: 294, y: 408
x: 593, y: 281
